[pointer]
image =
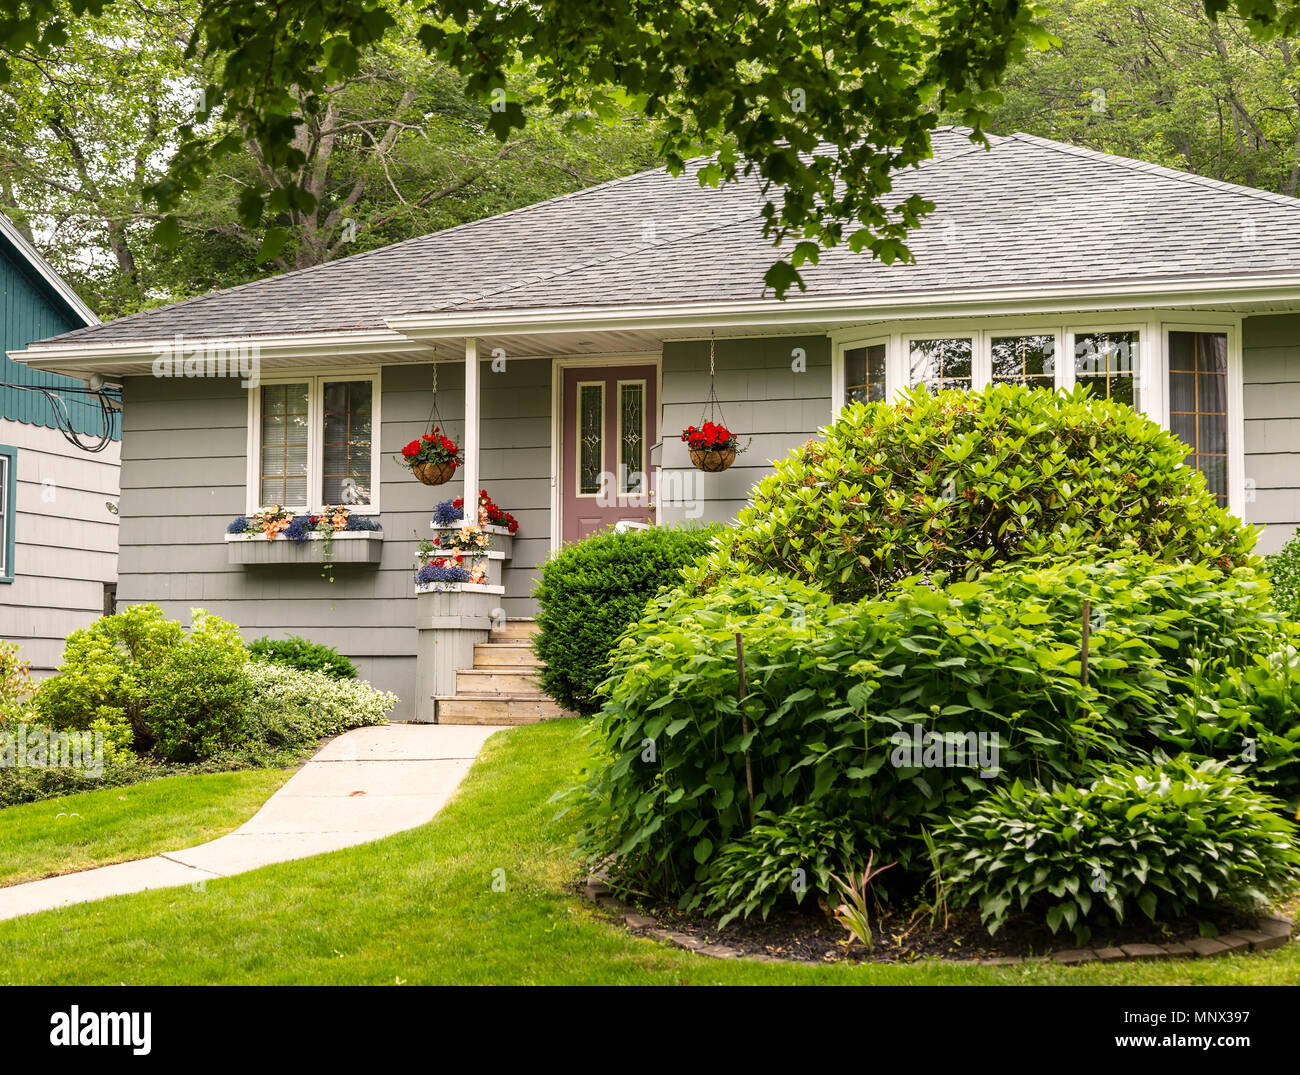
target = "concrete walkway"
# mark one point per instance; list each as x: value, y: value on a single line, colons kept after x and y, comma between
x: 366, y: 784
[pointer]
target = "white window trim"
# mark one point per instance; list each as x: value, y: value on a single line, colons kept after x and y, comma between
x: 315, y: 431
x: 839, y: 372
x: 1152, y: 327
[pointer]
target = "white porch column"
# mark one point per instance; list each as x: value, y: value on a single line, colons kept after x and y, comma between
x: 470, y: 471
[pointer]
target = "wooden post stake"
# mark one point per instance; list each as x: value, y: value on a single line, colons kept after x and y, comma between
x: 744, y: 723
x: 1083, y: 650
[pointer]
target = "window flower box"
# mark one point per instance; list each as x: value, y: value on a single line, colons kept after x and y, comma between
x: 348, y: 547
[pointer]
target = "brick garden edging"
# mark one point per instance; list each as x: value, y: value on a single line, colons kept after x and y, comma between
x: 1271, y: 931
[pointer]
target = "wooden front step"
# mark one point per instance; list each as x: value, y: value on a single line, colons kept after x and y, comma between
x: 515, y: 629
x: 463, y: 709
x: 505, y: 655
x: 493, y: 681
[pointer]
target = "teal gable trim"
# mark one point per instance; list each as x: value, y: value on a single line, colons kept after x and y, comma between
x: 9, y: 518
x: 31, y: 310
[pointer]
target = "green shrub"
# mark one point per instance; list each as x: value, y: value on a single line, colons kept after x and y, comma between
x: 305, y: 655
x: 142, y: 680
x: 963, y: 482
x: 289, y: 707
x: 199, y: 693
x: 15, y: 684
x: 591, y: 590
x: 830, y: 685
x: 1284, y: 570
x: 106, y: 671
x: 30, y: 784
x: 1165, y: 839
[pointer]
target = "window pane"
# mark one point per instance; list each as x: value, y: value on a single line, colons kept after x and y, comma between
x: 940, y: 364
x: 631, y: 436
x: 1198, y: 403
x: 1108, y: 362
x: 864, y: 374
x: 346, y: 445
x: 284, y: 445
x: 1029, y: 360
x: 591, y: 436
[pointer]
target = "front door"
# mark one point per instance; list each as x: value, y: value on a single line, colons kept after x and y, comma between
x: 609, y: 426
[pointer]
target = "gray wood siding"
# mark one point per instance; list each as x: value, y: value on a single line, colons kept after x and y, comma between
x: 184, y: 467
x: 762, y: 397
x: 1271, y: 372
x: 65, y: 542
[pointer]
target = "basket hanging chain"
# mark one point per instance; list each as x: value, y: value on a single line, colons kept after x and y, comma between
x: 713, y: 406
x: 435, y: 418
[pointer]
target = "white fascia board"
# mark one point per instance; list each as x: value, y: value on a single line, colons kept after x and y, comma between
x: 894, y: 305
x: 53, y: 355
x: 46, y: 271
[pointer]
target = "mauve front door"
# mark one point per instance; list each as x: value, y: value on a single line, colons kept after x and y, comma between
x: 609, y: 426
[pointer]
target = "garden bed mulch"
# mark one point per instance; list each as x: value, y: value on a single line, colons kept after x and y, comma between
x: 807, y: 935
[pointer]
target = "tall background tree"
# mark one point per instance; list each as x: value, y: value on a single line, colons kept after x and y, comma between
x: 1164, y: 83
x: 304, y: 99
x: 399, y: 149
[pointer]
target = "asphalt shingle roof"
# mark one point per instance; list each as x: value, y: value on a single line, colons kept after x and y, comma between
x: 1027, y: 211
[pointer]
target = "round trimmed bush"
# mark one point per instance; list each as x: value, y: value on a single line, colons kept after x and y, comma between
x: 591, y: 590
x: 963, y: 482
x: 304, y: 655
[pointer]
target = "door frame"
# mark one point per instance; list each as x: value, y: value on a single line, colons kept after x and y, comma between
x: 558, y: 366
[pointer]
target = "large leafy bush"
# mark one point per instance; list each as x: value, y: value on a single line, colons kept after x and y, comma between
x: 591, y: 590
x: 963, y: 482
x: 1165, y: 838
x: 107, y: 672
x: 829, y: 685
x: 199, y: 693
x: 305, y: 655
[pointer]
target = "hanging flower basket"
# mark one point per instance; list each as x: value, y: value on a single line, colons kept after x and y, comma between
x: 432, y: 458
x: 434, y: 473
x: 713, y: 447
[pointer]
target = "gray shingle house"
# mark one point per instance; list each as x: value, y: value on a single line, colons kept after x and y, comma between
x: 572, y: 343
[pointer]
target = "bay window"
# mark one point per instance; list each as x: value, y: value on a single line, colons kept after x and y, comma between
x: 1183, y: 376
x: 312, y: 442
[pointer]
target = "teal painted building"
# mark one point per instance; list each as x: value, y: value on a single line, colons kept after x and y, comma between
x: 58, y: 535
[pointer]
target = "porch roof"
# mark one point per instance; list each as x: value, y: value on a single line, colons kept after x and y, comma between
x: 648, y: 257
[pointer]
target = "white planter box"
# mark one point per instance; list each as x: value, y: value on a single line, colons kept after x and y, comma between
x: 348, y: 547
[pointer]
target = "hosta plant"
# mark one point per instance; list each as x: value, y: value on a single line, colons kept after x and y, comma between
x: 1162, y: 839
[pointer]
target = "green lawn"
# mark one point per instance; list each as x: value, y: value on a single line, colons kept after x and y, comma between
x: 95, y: 828
x: 419, y: 908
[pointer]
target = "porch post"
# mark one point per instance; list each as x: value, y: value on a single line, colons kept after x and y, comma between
x: 470, y: 471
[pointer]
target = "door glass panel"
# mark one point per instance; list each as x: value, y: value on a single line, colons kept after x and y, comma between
x: 940, y: 364
x: 346, y: 445
x: 1027, y: 360
x: 1198, y: 403
x: 1108, y: 361
x: 284, y: 445
x: 591, y: 436
x: 864, y: 374
x: 631, y: 436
